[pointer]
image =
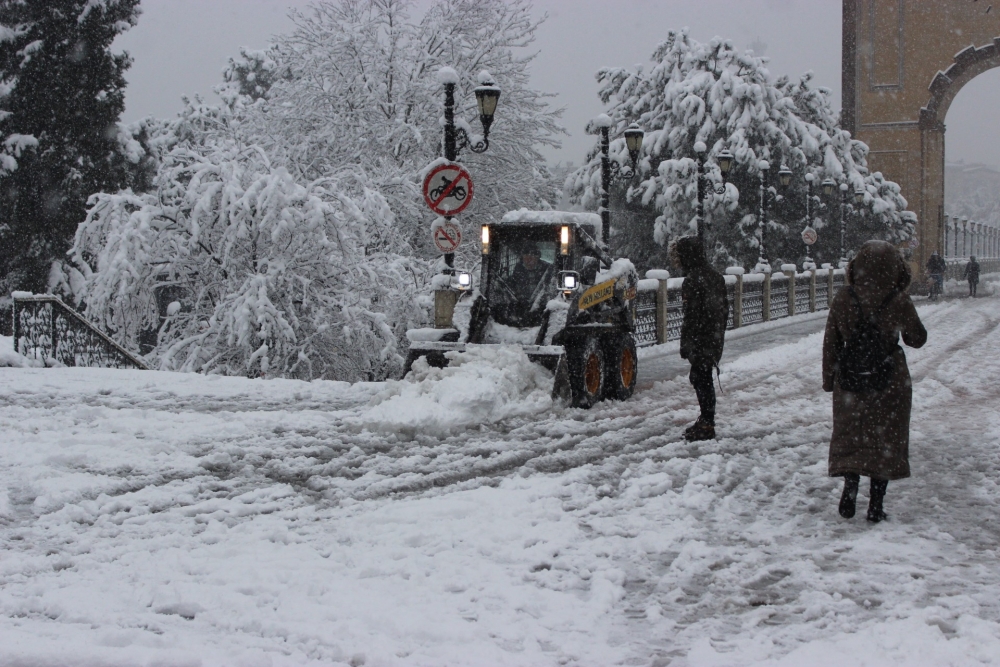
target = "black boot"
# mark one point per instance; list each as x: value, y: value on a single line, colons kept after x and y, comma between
x: 877, y: 495
x: 700, y: 430
x: 849, y: 497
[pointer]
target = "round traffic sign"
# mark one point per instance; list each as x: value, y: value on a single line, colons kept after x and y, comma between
x: 809, y: 236
x: 448, y: 189
x: 447, y: 236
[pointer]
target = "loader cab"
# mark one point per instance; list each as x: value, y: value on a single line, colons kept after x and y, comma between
x: 526, y: 255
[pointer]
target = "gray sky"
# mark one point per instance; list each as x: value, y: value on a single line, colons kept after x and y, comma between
x: 181, y: 46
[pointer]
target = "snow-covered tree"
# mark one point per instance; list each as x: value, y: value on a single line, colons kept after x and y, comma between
x: 710, y: 96
x: 358, y: 91
x: 252, y: 74
x: 265, y: 275
x: 61, y: 94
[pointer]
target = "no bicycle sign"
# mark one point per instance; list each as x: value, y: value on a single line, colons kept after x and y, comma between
x: 448, y: 189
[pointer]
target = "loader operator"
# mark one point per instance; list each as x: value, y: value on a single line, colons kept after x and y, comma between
x: 529, y: 272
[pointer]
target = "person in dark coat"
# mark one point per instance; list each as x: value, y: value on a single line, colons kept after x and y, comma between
x: 871, y: 429
x: 703, y: 330
x: 936, y: 267
x: 972, y: 274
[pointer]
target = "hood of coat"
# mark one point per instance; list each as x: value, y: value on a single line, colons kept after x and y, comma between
x: 876, y: 270
x: 688, y: 253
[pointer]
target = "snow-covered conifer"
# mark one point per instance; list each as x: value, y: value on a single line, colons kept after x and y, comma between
x: 61, y: 89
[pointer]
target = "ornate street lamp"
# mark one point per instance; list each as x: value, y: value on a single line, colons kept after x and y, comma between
x: 725, y: 161
x: 784, y: 176
x: 487, y: 96
x: 633, y: 141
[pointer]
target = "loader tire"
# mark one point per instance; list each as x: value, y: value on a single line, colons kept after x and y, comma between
x: 622, y: 367
x: 587, y: 372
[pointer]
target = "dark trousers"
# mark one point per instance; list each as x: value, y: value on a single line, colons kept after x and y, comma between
x: 704, y: 387
x: 972, y: 288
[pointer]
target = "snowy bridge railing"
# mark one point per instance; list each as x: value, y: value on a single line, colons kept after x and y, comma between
x: 753, y: 298
x: 956, y: 267
x: 45, y: 328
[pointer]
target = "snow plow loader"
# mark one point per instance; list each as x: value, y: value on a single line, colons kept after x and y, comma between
x: 548, y: 286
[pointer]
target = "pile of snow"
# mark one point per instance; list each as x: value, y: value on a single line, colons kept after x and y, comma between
x: 9, y: 358
x: 480, y: 386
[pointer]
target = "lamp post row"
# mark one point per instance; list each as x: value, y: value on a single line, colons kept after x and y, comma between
x: 488, y: 94
x: 633, y: 139
x: 985, y: 238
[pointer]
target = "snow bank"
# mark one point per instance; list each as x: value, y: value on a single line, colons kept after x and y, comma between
x: 11, y: 359
x: 523, y: 215
x: 481, y: 386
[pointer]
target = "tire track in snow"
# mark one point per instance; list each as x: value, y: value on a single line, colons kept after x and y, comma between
x: 813, y: 564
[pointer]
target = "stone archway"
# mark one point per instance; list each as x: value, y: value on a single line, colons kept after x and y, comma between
x: 904, y: 61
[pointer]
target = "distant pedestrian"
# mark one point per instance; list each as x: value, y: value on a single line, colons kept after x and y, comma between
x: 703, y: 331
x: 936, y: 267
x: 865, y: 368
x: 972, y: 274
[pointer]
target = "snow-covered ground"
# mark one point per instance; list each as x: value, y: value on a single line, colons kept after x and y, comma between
x: 151, y: 518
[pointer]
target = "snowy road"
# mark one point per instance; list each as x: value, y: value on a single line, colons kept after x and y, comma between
x: 465, y: 519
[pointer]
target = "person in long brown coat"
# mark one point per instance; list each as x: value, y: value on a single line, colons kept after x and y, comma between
x: 871, y: 429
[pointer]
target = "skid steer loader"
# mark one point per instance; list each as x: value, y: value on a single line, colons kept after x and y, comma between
x: 548, y: 286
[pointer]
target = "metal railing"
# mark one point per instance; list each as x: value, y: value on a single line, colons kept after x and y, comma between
x: 753, y: 298
x: 45, y: 328
x: 956, y: 267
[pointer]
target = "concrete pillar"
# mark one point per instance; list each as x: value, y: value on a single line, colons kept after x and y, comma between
x: 791, y: 292
x: 766, y: 300
x: 661, y: 311
x: 738, y: 302
x: 812, y: 291
x: 444, y: 308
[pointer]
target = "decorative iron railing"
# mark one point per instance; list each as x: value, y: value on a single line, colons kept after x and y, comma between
x: 753, y: 298
x: 46, y: 328
x: 779, y: 296
x: 753, y: 301
x: 803, y: 289
x: 645, y: 315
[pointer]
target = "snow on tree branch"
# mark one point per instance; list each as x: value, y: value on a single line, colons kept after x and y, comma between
x: 711, y: 94
x: 275, y: 278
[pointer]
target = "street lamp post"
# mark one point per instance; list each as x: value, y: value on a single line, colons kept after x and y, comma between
x: 843, y: 225
x: 764, y: 166
x: 810, y: 179
x: 456, y: 138
x: 828, y: 186
x: 725, y: 159
x: 633, y: 142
